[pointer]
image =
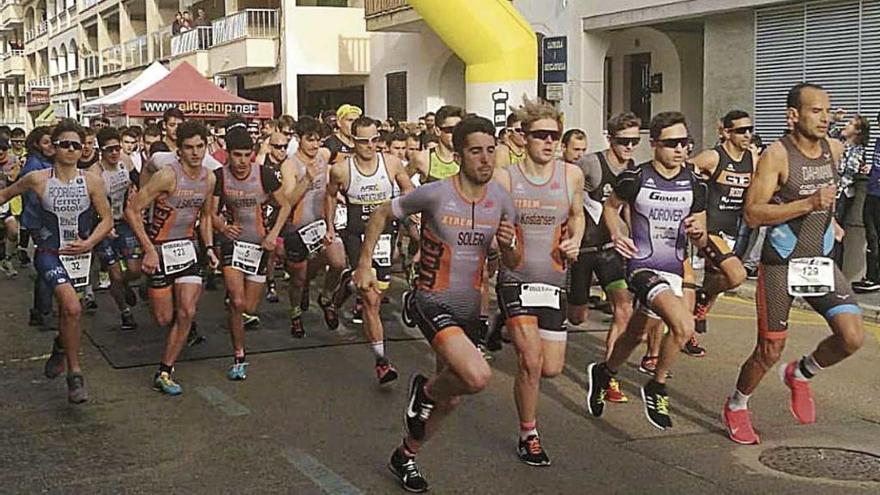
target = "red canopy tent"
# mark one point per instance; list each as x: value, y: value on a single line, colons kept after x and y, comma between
x: 196, y: 96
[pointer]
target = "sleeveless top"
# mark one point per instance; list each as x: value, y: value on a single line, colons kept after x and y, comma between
x: 117, y: 183
x: 243, y: 200
x: 543, y: 212
x: 311, y: 206
x: 812, y: 234
x: 365, y: 193
x: 175, y: 215
x: 65, y: 212
x: 727, y: 191
x: 438, y: 169
x: 596, y: 233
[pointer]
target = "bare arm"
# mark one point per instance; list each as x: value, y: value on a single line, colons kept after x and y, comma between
x: 502, y: 156
x: 334, y: 186
x: 283, y: 213
x: 400, y: 175
x: 162, y: 181
x: 611, y: 215
x: 706, y: 162
x: 98, y: 196
x: 576, y: 221
x: 377, y: 223
x: 206, y: 222
x: 28, y: 182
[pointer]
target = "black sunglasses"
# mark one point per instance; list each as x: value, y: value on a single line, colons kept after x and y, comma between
x: 279, y: 146
x: 675, y: 143
x: 447, y: 129
x: 742, y: 130
x: 543, y: 134
x: 17, y: 141
x: 626, y: 141
x: 69, y: 145
x: 114, y: 148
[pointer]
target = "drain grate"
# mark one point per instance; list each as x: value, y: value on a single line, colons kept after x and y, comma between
x: 822, y: 462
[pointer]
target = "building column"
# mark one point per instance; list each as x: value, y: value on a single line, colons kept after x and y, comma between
x: 289, y: 87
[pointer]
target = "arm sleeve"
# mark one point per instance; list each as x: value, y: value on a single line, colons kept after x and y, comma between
x: 269, y: 180
x: 418, y: 200
x: 218, y: 183
x: 592, y: 169
x: 701, y: 191
x: 629, y: 182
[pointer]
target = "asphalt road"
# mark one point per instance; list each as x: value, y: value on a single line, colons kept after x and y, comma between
x: 314, y: 421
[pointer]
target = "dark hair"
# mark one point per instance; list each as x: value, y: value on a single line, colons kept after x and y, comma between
x: 286, y: 121
x: 621, y: 121
x: 158, y: 147
x: 17, y: 132
x: 68, y: 125
x: 430, y: 114
x: 758, y: 142
x: 136, y: 129
x: 173, y: 112
x: 502, y: 132
x: 727, y: 120
x: 793, y: 100
x: 190, y: 129
x: 5, y: 130
x: 396, y: 135
x: 307, y: 126
x: 447, y: 111
x: 573, y: 134
x: 103, y: 119
x: 415, y: 137
x: 362, y: 121
x: 152, y: 130
x: 326, y: 130
x: 665, y: 119
x: 239, y: 139
x: 88, y: 131
x: 108, y: 134
x: 468, y: 126
x: 235, y: 121
x: 33, y: 139
x: 512, y: 119
x: 864, y: 129
x: 130, y: 132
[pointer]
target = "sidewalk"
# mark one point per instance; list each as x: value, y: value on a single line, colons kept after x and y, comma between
x: 870, y: 302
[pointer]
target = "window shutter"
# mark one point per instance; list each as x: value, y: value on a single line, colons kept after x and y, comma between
x: 779, y: 65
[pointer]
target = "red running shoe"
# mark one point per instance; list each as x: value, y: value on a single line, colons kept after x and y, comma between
x: 739, y: 425
x: 802, y: 406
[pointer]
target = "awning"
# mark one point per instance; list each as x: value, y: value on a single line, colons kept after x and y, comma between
x: 46, y: 117
x: 197, y: 97
x: 113, y: 101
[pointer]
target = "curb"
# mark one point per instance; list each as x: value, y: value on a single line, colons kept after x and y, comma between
x: 746, y: 291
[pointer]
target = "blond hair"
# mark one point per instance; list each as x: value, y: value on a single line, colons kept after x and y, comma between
x: 532, y: 111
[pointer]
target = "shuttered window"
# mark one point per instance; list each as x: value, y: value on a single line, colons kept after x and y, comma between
x: 834, y: 43
x: 395, y: 94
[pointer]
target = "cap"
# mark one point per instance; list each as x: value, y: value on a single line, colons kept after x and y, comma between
x: 347, y: 109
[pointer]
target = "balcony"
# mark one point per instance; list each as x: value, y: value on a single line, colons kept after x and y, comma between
x: 32, y: 34
x: 135, y: 53
x: 161, y: 41
x: 12, y: 64
x: 391, y: 16
x: 111, y: 60
x: 90, y: 3
x: 335, y: 48
x: 245, y: 42
x: 59, y: 23
x: 192, y: 46
x: 90, y: 65
x: 11, y: 13
x: 38, y: 82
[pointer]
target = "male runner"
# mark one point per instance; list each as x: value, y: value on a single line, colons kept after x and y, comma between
x: 793, y: 192
x: 121, y: 245
x: 727, y: 169
x: 90, y: 155
x: 460, y: 216
x: 341, y: 142
x: 272, y: 155
x: 305, y: 243
x: 130, y: 142
x: 171, y: 120
x: 547, y: 194
x: 667, y: 205
x: 180, y: 193
x: 574, y: 145
x: 512, y: 150
x: 439, y: 163
x: 241, y: 191
x: 67, y: 197
x: 367, y: 180
x: 597, y: 253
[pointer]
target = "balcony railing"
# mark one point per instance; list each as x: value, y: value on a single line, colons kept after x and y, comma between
x: 38, y: 82
x: 249, y: 23
x: 135, y: 53
x: 41, y: 29
x: 89, y: 3
x: 161, y: 41
x: 111, y: 59
x: 91, y: 65
x: 191, y: 41
x: 11, y: 53
x: 375, y: 8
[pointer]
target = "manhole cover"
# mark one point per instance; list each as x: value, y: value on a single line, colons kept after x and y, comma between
x: 820, y: 462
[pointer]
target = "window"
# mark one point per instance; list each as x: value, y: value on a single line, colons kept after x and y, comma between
x: 395, y: 96
x: 637, y: 84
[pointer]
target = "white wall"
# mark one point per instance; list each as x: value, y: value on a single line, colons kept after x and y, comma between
x: 324, y: 40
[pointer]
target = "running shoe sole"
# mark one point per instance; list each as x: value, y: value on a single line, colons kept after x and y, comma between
x: 590, y: 386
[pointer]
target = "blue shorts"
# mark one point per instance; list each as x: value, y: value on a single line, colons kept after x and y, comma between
x: 50, y: 270
x: 124, y: 246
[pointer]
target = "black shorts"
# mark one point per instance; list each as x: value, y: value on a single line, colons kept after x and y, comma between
x: 646, y: 284
x: 226, y: 254
x: 353, y: 243
x: 609, y: 268
x: 511, y: 305
x: 189, y: 275
x: 433, y: 317
x: 718, y: 250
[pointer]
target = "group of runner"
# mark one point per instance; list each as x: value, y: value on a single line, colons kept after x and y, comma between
x: 540, y: 219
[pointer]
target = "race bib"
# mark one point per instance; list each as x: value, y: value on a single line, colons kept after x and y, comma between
x: 313, y: 234
x: 78, y: 267
x: 341, y: 220
x: 539, y: 296
x: 810, y: 277
x: 177, y: 256
x: 382, y: 252
x: 246, y: 257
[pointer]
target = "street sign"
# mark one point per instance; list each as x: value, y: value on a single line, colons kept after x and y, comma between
x: 555, y: 92
x: 554, y: 60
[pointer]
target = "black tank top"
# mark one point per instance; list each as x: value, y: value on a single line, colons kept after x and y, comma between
x: 727, y: 190
x: 596, y: 233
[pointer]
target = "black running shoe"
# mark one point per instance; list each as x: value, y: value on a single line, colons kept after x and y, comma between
x: 531, y: 452
x: 405, y: 301
x: 598, y: 380
x: 331, y: 314
x: 35, y: 319
x: 23, y: 258
x: 693, y: 348
x: 194, y: 337
x: 407, y: 471
x: 76, y: 388
x: 656, y: 402
x: 55, y: 364
x: 385, y: 371
x: 128, y: 322
x: 343, y: 291
x: 418, y: 408
x: 131, y: 298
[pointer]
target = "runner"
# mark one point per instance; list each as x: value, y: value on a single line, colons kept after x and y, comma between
x: 180, y: 191
x: 597, y: 254
x: 727, y: 169
x: 171, y: 120
x: 341, y: 143
x: 367, y: 180
x: 67, y: 200
x: 512, y: 150
x: 130, y: 147
x: 667, y: 204
x: 241, y: 191
x: 90, y: 154
x: 121, y: 246
x: 793, y: 192
x: 574, y: 145
x: 439, y: 164
x: 272, y: 155
x: 307, y: 250
x: 547, y: 194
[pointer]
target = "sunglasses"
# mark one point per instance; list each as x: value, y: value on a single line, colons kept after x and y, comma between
x: 626, y: 141
x: 448, y: 129
x: 742, y: 130
x: 675, y: 143
x: 543, y: 134
x: 69, y: 145
x: 114, y: 148
x: 518, y: 130
x: 17, y: 141
x: 279, y: 147
x: 367, y: 140
x: 289, y: 133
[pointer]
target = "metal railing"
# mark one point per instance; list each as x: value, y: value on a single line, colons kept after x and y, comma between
x: 135, y: 52
x: 11, y: 53
x: 32, y: 34
x: 354, y: 55
x: 91, y: 65
x: 193, y: 40
x: 161, y: 41
x: 249, y: 23
x: 111, y: 59
x: 376, y: 8
x: 39, y: 82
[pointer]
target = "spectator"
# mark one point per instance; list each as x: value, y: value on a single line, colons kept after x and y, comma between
x: 201, y: 18
x: 178, y: 24
x: 186, y: 23
x: 871, y: 218
x: 855, y: 135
